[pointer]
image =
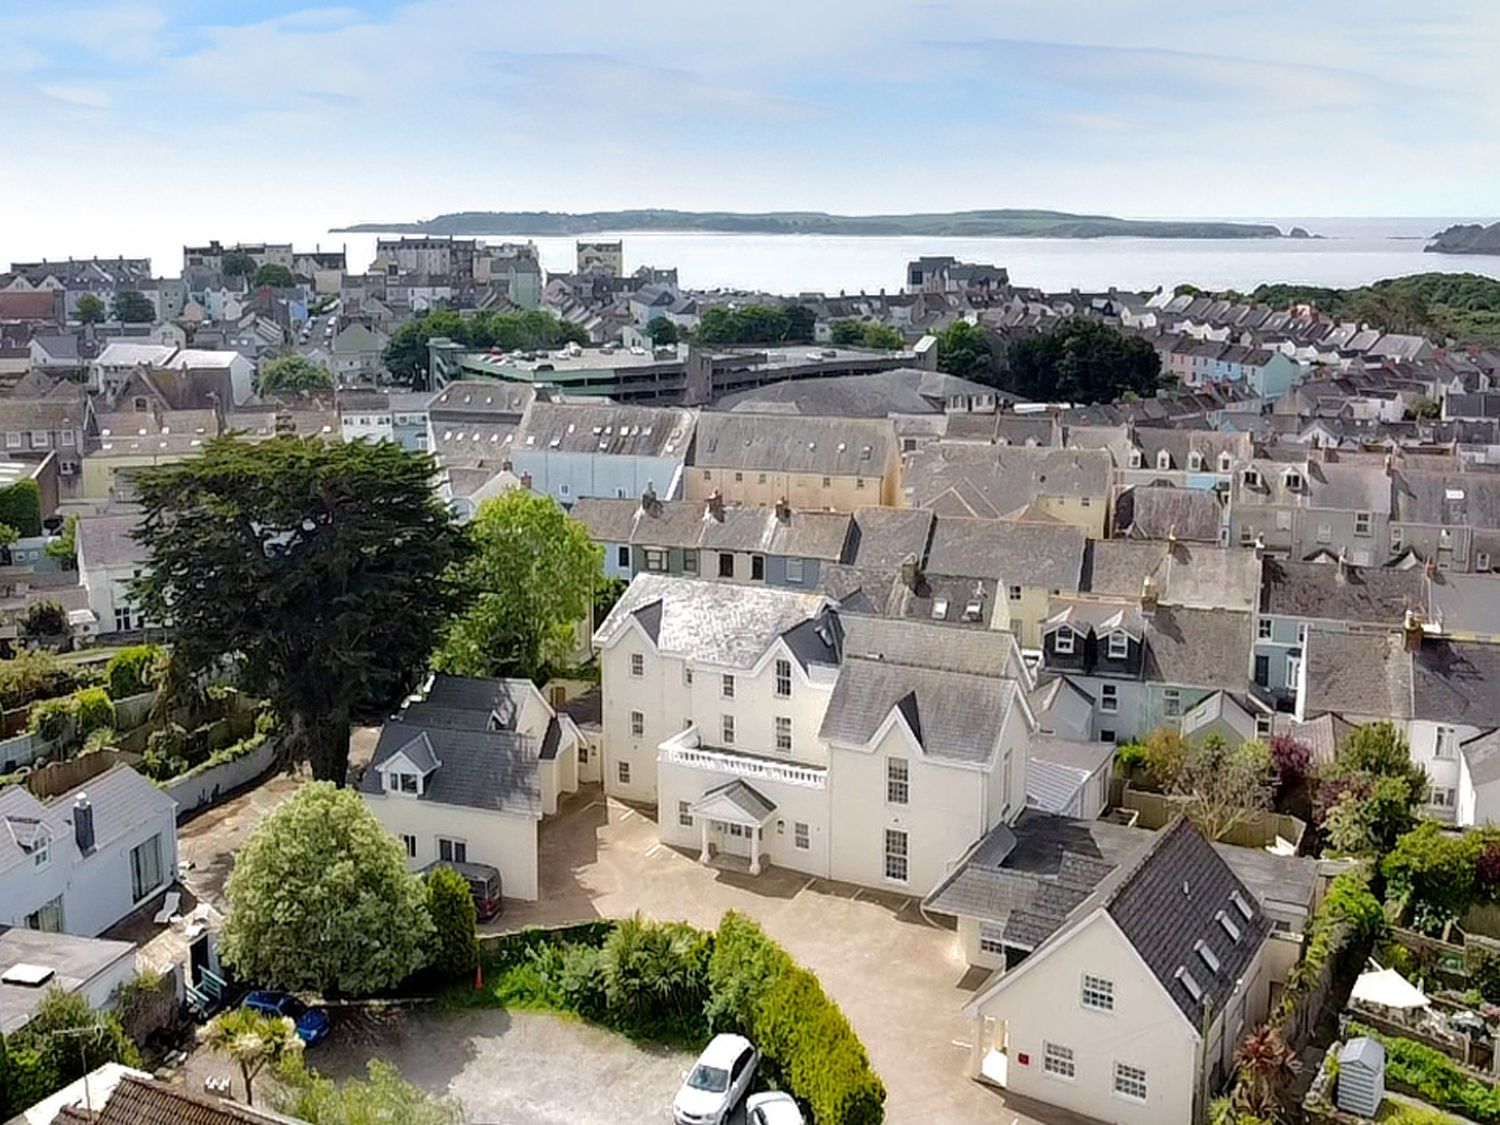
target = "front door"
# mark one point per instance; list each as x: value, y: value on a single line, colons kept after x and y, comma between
x: 734, y: 839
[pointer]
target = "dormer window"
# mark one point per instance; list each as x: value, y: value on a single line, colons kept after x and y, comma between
x: 1163, y: 459
x: 1062, y: 642
x: 1195, y: 461
x: 403, y: 783
x: 1135, y: 458
x: 1250, y: 478
x: 1119, y: 646
x: 1293, y: 480
x: 1224, y: 462
x: 41, y: 851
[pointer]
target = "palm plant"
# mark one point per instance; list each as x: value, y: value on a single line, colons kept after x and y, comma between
x: 253, y: 1041
x: 1267, y: 1068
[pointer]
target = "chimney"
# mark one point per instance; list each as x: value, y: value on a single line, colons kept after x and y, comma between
x: 648, y: 498
x: 1411, y: 631
x: 909, y: 572
x: 1148, y: 595
x: 713, y: 507
x: 526, y: 481
x: 83, y: 823
x: 783, y: 510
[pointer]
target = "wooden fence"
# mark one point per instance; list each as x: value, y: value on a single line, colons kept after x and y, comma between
x: 1156, y: 810
x: 48, y: 781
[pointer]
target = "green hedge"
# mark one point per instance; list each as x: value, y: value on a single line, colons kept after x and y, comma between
x: 1435, y: 1077
x: 1343, y: 929
x: 130, y: 671
x: 758, y: 990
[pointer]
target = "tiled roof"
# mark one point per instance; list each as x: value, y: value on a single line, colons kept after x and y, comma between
x: 1331, y: 592
x: 145, y: 1101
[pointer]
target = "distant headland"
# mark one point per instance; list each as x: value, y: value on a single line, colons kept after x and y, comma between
x: 959, y: 224
x: 1466, y: 238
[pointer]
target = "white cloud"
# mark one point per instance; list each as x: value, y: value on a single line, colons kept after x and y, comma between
x: 90, y: 97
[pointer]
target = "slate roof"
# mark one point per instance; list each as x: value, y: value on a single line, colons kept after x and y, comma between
x: 486, y: 694
x: 714, y: 622
x: 744, y: 797
x: 922, y: 645
x: 1208, y: 648
x: 848, y: 447
x: 954, y: 715
x: 1026, y: 554
x: 1167, y: 908
x: 1359, y: 674
x: 1482, y: 755
x: 1330, y: 592
x: 901, y: 390
x: 106, y: 541
x: 962, y: 479
x: 1186, y: 574
x: 1470, y: 499
x: 488, y: 770
x: 1058, y: 767
x: 882, y: 538
x: 476, y: 399
x: 1154, y: 512
x: 1456, y: 682
x: 1027, y: 879
x: 1466, y: 603
x: 683, y: 523
x: 606, y: 428
x: 122, y: 800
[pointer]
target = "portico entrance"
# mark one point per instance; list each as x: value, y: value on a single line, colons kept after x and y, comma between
x: 732, y: 820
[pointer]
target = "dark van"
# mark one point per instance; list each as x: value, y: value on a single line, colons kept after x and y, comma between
x: 484, y: 884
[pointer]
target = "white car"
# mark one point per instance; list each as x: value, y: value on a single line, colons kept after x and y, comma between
x: 772, y: 1108
x: 717, y: 1082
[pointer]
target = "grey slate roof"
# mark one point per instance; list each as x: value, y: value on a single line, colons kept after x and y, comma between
x: 901, y: 390
x: 744, y: 797
x: 922, y: 645
x: 1186, y: 574
x: 489, y: 770
x: 1466, y: 603
x: 1057, y: 768
x: 1154, y: 512
x: 713, y: 622
x: 882, y: 538
x: 1456, y: 682
x: 954, y: 715
x: 1198, y: 647
x: 106, y: 541
x: 1482, y: 754
x: 849, y: 447
x: 607, y: 428
x: 1359, y: 674
x: 122, y: 799
x: 956, y: 478
x: 1330, y: 592
x: 1168, y: 905
x: 1025, y: 554
x: 684, y: 524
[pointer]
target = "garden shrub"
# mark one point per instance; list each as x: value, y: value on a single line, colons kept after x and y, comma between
x: 34, y: 675
x: 451, y: 906
x: 1434, y: 1077
x: 1436, y: 876
x: 1342, y: 931
x: 655, y: 973
x: 131, y: 671
x: 803, y: 1035
x: 62, y: 1041
x: 50, y: 719
x: 21, y: 508
x: 93, y: 709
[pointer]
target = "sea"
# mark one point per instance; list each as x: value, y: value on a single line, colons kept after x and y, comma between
x: 1348, y: 252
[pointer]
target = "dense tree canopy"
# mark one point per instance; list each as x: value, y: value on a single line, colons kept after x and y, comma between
x: 132, y: 307
x: 965, y: 350
x: 406, y: 353
x: 277, y: 277
x: 1368, y: 796
x: 662, y: 331
x: 320, y: 900
x: 865, y: 334
x: 1081, y: 361
x: 237, y: 263
x: 530, y: 580
x: 384, y: 1098
x: 295, y: 374
x: 755, y: 324
x: 90, y: 309
x: 321, y: 566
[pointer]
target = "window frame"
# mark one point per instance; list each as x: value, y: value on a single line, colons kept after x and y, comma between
x: 1096, y: 993
x: 139, y: 893
x: 1124, y: 646
x: 801, y: 835
x: 1061, y: 635
x: 1059, y: 1061
x: 637, y: 724
x: 726, y: 729
x: 685, y: 814
x: 408, y: 844
x: 783, y: 676
x: 637, y: 665
x: 897, y: 781
x: 1123, y: 1085
x: 781, y: 727
x: 1109, y: 699
x: 897, y: 855
x: 726, y: 685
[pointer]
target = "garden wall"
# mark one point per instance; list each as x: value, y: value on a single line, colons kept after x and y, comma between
x: 197, y: 790
x: 50, y: 780
x: 22, y: 750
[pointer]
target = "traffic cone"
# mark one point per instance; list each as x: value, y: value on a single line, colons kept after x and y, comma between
x: 478, y: 978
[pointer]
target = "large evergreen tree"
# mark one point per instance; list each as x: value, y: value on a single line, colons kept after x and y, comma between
x: 1081, y: 361
x: 320, y: 566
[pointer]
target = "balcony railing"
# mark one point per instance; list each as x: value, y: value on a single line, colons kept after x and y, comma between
x: 741, y: 765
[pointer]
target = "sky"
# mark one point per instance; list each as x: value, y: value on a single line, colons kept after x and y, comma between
x: 230, y: 116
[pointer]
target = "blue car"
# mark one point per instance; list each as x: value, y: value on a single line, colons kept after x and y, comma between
x: 312, y: 1023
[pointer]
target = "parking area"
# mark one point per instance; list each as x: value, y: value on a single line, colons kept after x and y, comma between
x: 899, y: 977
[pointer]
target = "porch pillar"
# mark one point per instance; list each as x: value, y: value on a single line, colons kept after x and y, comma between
x: 755, y: 851
x: 703, y: 826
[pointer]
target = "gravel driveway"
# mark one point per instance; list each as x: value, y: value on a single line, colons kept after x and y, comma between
x: 511, y: 1068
